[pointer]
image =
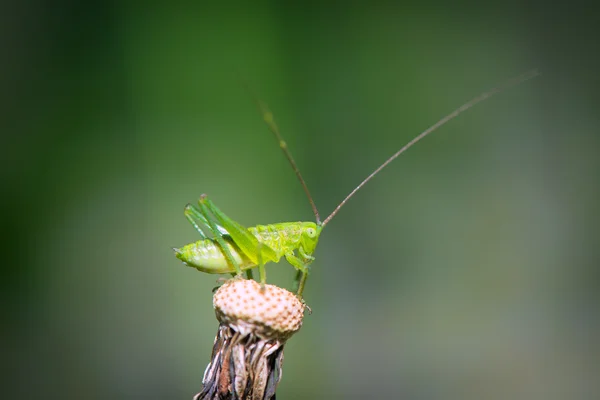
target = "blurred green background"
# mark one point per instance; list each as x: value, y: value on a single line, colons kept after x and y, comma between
x: 468, y: 269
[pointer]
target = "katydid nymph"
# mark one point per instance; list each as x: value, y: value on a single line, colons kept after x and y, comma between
x: 232, y: 248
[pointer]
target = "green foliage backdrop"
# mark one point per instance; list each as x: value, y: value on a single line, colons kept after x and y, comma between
x: 467, y: 269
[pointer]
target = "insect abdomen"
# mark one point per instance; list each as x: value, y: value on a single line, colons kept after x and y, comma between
x: 206, y: 256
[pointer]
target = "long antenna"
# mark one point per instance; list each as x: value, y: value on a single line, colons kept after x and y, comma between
x: 267, y: 116
x: 511, y: 82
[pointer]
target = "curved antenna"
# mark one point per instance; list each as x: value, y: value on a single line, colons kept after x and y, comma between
x: 267, y: 116
x: 511, y: 82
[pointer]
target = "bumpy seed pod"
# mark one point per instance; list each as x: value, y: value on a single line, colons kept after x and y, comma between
x: 247, y: 356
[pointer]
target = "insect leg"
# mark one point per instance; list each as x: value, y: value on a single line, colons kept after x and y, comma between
x: 261, y: 265
x: 197, y: 219
x: 302, y: 271
x: 247, y: 242
x: 297, y: 280
x: 302, y: 275
x: 218, y: 236
x: 190, y: 214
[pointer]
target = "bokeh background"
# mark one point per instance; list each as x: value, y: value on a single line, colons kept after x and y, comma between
x: 468, y: 269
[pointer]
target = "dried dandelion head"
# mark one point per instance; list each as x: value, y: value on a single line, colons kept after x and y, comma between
x: 247, y: 355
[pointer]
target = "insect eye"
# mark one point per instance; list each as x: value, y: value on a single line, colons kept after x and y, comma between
x: 311, y: 232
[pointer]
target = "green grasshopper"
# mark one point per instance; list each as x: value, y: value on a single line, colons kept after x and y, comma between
x: 234, y: 248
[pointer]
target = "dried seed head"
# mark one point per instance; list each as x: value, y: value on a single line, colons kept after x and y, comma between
x: 270, y: 313
x: 247, y: 356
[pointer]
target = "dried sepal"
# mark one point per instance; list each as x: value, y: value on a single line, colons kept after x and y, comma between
x: 247, y: 355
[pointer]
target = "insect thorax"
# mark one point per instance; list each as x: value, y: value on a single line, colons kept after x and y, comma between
x: 282, y: 237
